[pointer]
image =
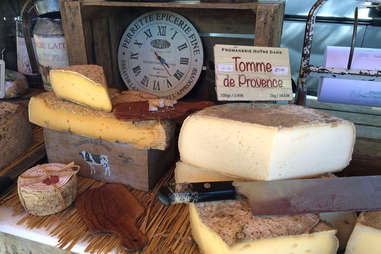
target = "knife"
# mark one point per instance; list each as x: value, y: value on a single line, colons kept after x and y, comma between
x: 285, y: 197
x: 5, y: 183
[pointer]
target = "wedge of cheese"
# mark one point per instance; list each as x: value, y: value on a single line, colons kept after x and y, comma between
x: 266, y: 142
x: 48, y: 111
x: 366, y: 236
x: 82, y: 84
x: 228, y: 227
x: 186, y: 173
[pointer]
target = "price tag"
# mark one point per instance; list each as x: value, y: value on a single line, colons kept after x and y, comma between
x: 2, y: 79
x: 246, y: 73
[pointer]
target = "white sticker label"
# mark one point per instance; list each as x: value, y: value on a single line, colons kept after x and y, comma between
x: 280, y: 70
x: 225, y: 68
x: 96, y: 160
x: 2, y: 79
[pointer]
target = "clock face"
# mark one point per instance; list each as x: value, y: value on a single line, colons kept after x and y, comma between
x: 160, y: 53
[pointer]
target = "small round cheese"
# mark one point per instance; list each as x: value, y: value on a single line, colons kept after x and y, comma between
x: 42, y: 198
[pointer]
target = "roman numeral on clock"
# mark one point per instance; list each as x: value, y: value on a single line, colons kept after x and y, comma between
x: 184, y: 60
x: 162, y: 31
x: 169, y: 84
x: 178, y: 74
x: 148, y: 33
x: 145, y: 81
x: 139, y: 44
x: 156, y: 85
x: 137, y: 70
x: 182, y: 46
x: 134, y: 56
x: 174, y: 35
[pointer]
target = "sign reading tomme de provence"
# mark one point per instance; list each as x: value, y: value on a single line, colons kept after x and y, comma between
x: 252, y: 73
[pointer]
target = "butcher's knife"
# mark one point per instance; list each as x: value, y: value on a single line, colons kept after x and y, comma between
x: 285, y: 197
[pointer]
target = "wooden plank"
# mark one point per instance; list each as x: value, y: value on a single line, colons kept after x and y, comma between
x: 74, y: 31
x: 193, y: 5
x: 29, y: 158
x: 108, y: 161
x: 268, y: 25
x: 102, y: 47
x: 115, y: 34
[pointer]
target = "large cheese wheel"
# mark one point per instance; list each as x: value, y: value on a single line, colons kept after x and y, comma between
x: 266, y: 142
x: 42, y: 198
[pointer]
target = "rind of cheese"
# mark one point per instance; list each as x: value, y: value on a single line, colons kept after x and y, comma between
x: 228, y: 227
x: 15, y: 132
x: 366, y: 236
x: 266, y: 142
x: 186, y: 173
x: 82, y: 84
x: 41, y: 199
x: 48, y: 111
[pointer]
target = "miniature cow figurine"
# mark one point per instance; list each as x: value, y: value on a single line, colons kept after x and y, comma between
x: 96, y: 159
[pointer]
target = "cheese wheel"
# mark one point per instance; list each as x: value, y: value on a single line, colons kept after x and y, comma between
x: 42, y: 198
x: 266, y: 142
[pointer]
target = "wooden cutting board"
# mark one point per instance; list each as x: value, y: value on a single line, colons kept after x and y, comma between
x: 111, y: 208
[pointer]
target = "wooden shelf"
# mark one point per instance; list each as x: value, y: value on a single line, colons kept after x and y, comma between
x: 190, y: 5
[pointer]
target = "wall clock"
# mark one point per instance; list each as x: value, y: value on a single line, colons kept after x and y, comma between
x: 160, y: 53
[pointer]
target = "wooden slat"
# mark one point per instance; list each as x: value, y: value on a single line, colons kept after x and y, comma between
x: 101, y: 43
x: 194, y: 5
x: 268, y: 25
x: 74, y: 31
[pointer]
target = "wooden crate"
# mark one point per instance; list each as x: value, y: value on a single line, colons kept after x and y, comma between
x: 110, y: 162
x: 93, y: 29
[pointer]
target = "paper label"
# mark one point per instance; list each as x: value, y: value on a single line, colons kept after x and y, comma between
x: 225, y: 67
x: 252, y: 73
x: 51, y: 51
x: 2, y: 79
x: 280, y: 70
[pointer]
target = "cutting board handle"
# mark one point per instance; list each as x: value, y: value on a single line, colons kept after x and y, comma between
x: 131, y: 237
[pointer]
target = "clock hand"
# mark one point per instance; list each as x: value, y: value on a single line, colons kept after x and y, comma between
x: 162, y: 62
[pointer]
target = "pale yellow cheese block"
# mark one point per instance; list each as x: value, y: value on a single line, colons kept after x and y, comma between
x: 366, y: 236
x: 186, y: 173
x: 82, y: 84
x: 227, y: 227
x: 266, y: 142
x: 48, y: 111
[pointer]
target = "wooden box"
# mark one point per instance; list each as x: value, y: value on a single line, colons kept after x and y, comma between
x: 93, y: 29
x: 110, y: 162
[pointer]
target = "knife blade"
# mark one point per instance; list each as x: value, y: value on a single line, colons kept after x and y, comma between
x: 285, y: 197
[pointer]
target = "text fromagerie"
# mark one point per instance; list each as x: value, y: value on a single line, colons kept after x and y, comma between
x: 248, y: 67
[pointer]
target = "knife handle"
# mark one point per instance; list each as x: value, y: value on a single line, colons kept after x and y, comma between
x: 5, y: 183
x: 196, y: 192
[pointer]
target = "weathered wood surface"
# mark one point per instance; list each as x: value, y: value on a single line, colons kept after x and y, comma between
x: 29, y: 158
x: 96, y: 37
x: 74, y: 31
x: 108, y: 161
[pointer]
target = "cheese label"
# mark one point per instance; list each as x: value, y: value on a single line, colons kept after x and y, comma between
x: 252, y: 73
x: 2, y: 79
